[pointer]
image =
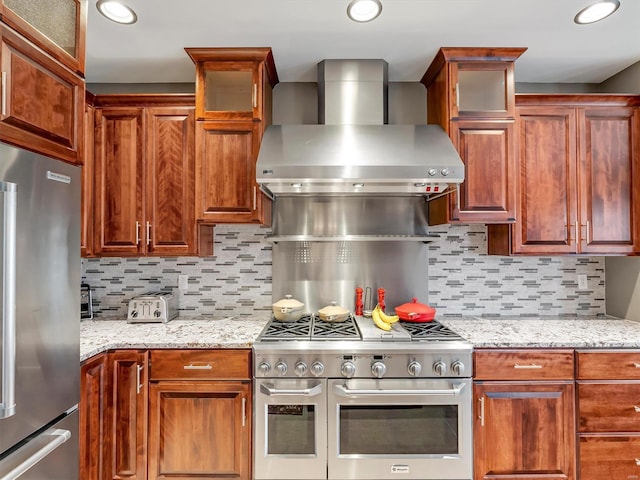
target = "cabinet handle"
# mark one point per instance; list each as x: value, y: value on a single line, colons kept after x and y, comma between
x: 139, y: 378
x: 588, y: 233
x: 255, y: 95
x: 638, y: 461
x: 3, y: 79
x: 636, y: 408
x: 531, y: 366
x: 197, y: 367
x: 244, y: 411
x: 457, y: 95
x: 137, y: 232
x: 481, y: 416
x: 255, y: 197
x: 148, y: 233
x: 577, y: 232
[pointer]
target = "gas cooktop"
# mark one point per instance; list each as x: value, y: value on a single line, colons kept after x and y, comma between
x: 310, y: 327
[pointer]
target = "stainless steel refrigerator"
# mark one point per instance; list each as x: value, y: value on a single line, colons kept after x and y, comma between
x: 40, y: 309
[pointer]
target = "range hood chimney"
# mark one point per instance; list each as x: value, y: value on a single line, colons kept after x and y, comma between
x: 353, y: 151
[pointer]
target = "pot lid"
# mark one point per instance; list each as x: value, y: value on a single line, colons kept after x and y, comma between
x: 414, y: 307
x: 333, y: 309
x: 288, y: 302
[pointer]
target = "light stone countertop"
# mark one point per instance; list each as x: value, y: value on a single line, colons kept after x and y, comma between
x: 547, y: 332
x: 233, y: 332
x: 97, y: 336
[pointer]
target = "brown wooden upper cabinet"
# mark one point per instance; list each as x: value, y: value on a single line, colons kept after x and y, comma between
x: 233, y: 109
x: 234, y: 83
x: 578, y: 187
x: 144, y: 176
x: 470, y: 94
x: 42, y: 103
x: 63, y: 39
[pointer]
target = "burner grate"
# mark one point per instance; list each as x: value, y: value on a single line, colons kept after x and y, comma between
x: 433, y: 330
x: 299, y: 330
x: 346, y: 330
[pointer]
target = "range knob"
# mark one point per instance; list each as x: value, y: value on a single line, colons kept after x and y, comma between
x: 445, y: 172
x: 264, y: 368
x: 378, y: 369
x: 432, y: 172
x: 300, y: 368
x: 440, y: 368
x: 348, y: 369
x: 317, y: 368
x: 414, y: 368
x: 281, y: 368
x: 457, y: 367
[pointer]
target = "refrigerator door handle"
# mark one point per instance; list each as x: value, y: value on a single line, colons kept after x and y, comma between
x: 57, y: 438
x: 9, y: 196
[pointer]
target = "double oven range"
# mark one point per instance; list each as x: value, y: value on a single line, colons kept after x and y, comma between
x: 342, y: 401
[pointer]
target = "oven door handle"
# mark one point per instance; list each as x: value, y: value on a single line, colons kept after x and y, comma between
x: 270, y: 390
x: 344, y: 391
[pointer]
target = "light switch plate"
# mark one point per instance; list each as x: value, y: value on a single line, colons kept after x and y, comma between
x: 183, y: 282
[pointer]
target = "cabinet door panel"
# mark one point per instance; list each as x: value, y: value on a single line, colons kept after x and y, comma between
x: 609, y: 182
x: 86, y: 197
x: 488, y: 192
x: 118, y: 164
x: 199, y: 430
x: 226, y: 189
x: 129, y: 422
x: 524, y: 428
x: 94, y: 415
x: 547, y: 179
x: 44, y: 102
x: 170, y: 181
x: 609, y: 457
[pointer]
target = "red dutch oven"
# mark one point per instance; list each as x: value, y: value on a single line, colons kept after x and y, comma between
x: 415, y: 312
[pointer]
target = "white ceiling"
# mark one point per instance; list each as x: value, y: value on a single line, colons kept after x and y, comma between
x: 407, y: 34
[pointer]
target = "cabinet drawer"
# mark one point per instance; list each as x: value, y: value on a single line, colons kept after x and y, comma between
x: 609, y: 457
x: 200, y: 364
x: 606, y: 365
x: 523, y: 364
x: 609, y: 407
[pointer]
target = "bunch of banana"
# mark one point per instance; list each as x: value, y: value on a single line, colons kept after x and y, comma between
x: 382, y: 320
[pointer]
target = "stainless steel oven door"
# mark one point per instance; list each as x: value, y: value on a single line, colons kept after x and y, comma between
x: 290, y: 438
x: 400, y: 429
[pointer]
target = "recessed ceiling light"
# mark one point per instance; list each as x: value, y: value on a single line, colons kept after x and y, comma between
x: 117, y: 11
x: 364, y: 10
x: 596, y: 12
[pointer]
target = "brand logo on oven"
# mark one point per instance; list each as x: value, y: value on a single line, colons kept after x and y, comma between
x: 399, y: 468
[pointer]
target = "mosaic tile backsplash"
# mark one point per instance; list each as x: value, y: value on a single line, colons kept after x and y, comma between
x: 463, y: 280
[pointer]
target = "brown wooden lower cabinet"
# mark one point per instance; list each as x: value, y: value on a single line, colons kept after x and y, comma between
x: 190, y: 418
x: 199, y: 430
x: 524, y: 414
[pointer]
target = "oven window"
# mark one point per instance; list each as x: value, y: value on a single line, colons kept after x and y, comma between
x: 291, y: 429
x: 399, y: 429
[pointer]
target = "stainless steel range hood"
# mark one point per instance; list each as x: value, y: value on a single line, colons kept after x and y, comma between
x: 353, y: 151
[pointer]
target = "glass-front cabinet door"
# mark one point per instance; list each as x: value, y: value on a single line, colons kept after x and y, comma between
x: 56, y: 26
x: 482, y: 89
x: 228, y: 91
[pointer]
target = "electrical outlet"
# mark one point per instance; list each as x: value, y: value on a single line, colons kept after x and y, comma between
x: 183, y: 282
x: 582, y: 282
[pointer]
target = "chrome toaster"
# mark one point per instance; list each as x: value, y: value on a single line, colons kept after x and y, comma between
x: 153, y: 307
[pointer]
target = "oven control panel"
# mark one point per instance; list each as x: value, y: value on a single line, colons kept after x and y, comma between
x: 363, y: 365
